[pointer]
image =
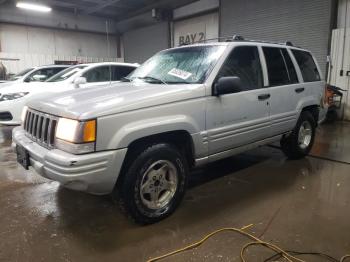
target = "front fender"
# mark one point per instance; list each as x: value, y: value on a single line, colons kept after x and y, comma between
x: 143, y: 128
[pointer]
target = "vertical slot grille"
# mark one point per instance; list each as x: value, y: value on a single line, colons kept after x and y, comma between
x: 40, y: 127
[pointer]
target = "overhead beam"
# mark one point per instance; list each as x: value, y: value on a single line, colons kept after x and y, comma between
x: 56, y: 19
x: 99, y: 7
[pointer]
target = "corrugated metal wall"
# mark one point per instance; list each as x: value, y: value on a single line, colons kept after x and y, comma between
x: 142, y: 43
x: 343, y: 13
x: 304, y: 22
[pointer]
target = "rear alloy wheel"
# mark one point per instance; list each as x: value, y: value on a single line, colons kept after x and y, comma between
x: 299, y: 143
x: 153, y: 184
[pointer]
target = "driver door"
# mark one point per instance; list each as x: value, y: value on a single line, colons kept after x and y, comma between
x: 242, y: 118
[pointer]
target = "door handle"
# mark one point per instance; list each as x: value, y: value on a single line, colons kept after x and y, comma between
x: 299, y: 90
x: 264, y: 96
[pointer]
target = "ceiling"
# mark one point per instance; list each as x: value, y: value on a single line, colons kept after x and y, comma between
x: 117, y: 10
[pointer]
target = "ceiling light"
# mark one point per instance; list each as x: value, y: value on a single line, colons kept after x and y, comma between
x: 33, y: 7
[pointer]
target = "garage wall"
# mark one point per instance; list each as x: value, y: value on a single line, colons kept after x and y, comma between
x: 343, y: 13
x: 140, y: 44
x: 35, y: 40
x: 26, y: 46
x: 304, y: 22
x: 195, y: 29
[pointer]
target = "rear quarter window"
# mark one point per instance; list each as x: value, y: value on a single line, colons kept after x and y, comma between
x: 307, y: 66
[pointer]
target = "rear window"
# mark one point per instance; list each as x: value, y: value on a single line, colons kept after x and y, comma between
x: 307, y: 66
x: 293, y: 78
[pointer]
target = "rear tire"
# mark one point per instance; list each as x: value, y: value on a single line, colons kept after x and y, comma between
x: 299, y: 143
x: 153, y: 183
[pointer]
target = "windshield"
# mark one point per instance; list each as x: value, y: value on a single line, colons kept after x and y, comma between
x: 182, y: 65
x: 65, y: 74
x: 20, y: 74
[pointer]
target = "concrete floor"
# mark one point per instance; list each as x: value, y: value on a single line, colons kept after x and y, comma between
x: 299, y: 205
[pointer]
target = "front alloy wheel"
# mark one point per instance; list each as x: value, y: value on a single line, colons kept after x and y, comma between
x: 158, y: 184
x: 153, y: 183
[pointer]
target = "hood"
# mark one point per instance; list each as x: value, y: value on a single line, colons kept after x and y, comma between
x: 7, y: 84
x: 112, y: 99
x: 32, y: 87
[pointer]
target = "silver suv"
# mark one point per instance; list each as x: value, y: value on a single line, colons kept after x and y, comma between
x: 183, y: 108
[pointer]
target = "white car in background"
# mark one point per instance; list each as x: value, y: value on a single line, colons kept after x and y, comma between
x: 13, y: 98
x: 34, y: 74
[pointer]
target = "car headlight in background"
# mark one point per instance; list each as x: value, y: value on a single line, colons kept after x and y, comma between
x: 12, y: 96
x: 77, y: 137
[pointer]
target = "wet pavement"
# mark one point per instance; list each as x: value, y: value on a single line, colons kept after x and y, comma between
x: 299, y: 205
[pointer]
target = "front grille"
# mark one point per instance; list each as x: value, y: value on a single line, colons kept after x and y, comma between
x: 40, y: 127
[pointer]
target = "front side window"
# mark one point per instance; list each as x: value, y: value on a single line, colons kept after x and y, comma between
x: 244, y: 62
x: 307, y: 66
x: 276, y: 66
x: 186, y: 65
x: 98, y: 74
x: 67, y: 73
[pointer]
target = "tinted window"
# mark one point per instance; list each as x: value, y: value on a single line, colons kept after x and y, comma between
x: 118, y: 72
x: 276, y: 67
x: 292, y: 74
x: 307, y: 66
x: 244, y: 62
x: 65, y: 74
x: 99, y: 74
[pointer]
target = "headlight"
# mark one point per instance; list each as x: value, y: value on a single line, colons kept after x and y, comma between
x: 12, y: 96
x: 24, y: 112
x: 75, y: 136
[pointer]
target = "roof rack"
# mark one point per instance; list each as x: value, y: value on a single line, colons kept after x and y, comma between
x: 237, y: 38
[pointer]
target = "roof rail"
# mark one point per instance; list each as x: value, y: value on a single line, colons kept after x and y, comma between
x: 236, y: 38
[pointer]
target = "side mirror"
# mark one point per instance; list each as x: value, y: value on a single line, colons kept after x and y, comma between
x: 227, y: 85
x: 39, y: 77
x: 79, y: 81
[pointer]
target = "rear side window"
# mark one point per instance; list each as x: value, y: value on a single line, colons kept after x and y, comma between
x: 276, y: 66
x: 307, y: 66
x: 118, y: 72
x: 292, y: 74
x: 244, y: 63
x: 98, y: 74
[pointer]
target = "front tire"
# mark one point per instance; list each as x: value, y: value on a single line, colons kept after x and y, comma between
x: 153, y: 183
x: 299, y: 143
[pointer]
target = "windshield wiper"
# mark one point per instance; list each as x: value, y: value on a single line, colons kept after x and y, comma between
x: 153, y: 78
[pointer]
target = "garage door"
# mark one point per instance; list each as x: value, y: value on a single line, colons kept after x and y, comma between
x: 142, y: 43
x: 304, y: 22
x: 196, y: 29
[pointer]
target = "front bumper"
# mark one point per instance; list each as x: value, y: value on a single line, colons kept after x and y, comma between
x: 95, y: 173
x: 13, y: 107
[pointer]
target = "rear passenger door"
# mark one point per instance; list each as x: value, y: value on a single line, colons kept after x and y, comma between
x: 312, y: 79
x: 284, y: 87
x: 238, y: 119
